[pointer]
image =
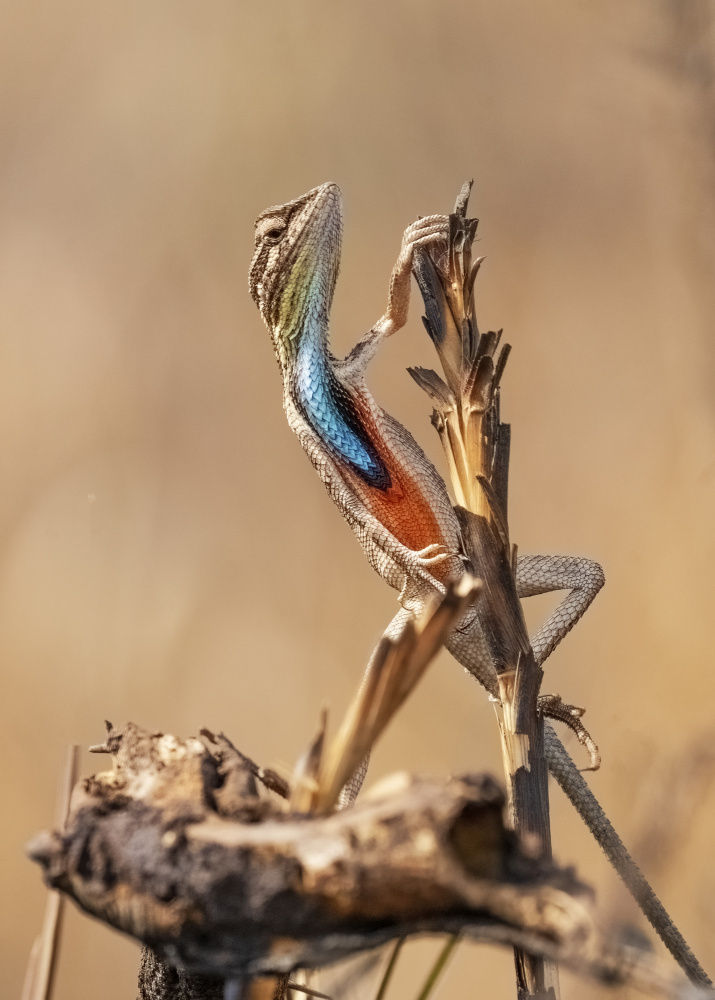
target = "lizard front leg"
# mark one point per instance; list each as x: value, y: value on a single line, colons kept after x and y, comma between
x: 432, y: 230
x: 428, y: 231
x: 583, y: 578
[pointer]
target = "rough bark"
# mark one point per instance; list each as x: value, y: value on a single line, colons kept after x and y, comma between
x: 177, y: 846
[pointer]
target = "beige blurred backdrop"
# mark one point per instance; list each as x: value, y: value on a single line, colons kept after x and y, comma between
x: 168, y: 554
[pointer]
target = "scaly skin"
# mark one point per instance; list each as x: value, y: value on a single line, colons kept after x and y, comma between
x: 387, y: 489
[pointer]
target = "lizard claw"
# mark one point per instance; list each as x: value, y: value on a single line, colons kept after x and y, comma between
x: 432, y: 551
x: 552, y: 707
x: 421, y: 571
x: 434, y: 554
x: 433, y: 230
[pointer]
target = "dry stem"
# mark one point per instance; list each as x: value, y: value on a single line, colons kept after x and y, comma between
x: 476, y: 444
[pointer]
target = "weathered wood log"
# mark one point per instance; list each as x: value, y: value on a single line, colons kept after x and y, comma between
x: 178, y: 847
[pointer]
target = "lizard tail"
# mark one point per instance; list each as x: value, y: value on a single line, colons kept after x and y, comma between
x: 352, y: 788
x: 586, y: 804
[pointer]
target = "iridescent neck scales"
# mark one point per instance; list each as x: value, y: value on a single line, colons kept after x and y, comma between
x: 329, y: 409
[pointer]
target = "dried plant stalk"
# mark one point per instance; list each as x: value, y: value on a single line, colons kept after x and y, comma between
x: 476, y: 445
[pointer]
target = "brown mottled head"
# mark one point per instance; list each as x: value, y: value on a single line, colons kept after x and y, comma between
x: 295, y: 263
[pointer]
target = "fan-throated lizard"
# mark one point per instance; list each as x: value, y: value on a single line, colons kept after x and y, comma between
x: 387, y: 489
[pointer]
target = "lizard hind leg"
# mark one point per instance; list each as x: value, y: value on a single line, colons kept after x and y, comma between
x: 583, y: 578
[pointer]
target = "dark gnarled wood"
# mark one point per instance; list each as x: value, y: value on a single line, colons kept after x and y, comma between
x: 178, y: 846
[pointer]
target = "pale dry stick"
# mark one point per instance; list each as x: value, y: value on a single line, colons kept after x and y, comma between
x: 283, y: 984
x: 394, y: 670
x: 42, y: 963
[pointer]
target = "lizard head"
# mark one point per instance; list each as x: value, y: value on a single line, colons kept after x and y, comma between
x: 295, y: 264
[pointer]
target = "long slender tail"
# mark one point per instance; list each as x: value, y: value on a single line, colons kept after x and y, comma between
x: 587, y: 805
x: 352, y: 788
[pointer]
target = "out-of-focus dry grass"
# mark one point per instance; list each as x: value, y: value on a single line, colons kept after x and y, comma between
x: 168, y: 554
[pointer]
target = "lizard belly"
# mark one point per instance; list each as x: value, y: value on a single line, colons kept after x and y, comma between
x: 406, y: 507
x: 377, y: 465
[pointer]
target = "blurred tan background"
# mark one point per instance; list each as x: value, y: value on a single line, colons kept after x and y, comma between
x: 167, y: 553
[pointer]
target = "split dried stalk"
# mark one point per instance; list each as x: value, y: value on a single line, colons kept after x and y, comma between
x: 476, y: 445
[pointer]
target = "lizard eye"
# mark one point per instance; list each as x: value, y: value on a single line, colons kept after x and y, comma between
x: 272, y: 231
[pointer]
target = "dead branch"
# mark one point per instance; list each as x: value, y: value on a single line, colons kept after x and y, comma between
x: 232, y: 885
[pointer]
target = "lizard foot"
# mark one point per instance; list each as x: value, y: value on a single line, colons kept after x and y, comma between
x: 552, y: 707
x: 433, y: 554
x: 436, y: 555
x: 430, y: 231
x: 420, y: 572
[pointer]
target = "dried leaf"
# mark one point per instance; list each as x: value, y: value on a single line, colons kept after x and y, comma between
x: 435, y: 387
